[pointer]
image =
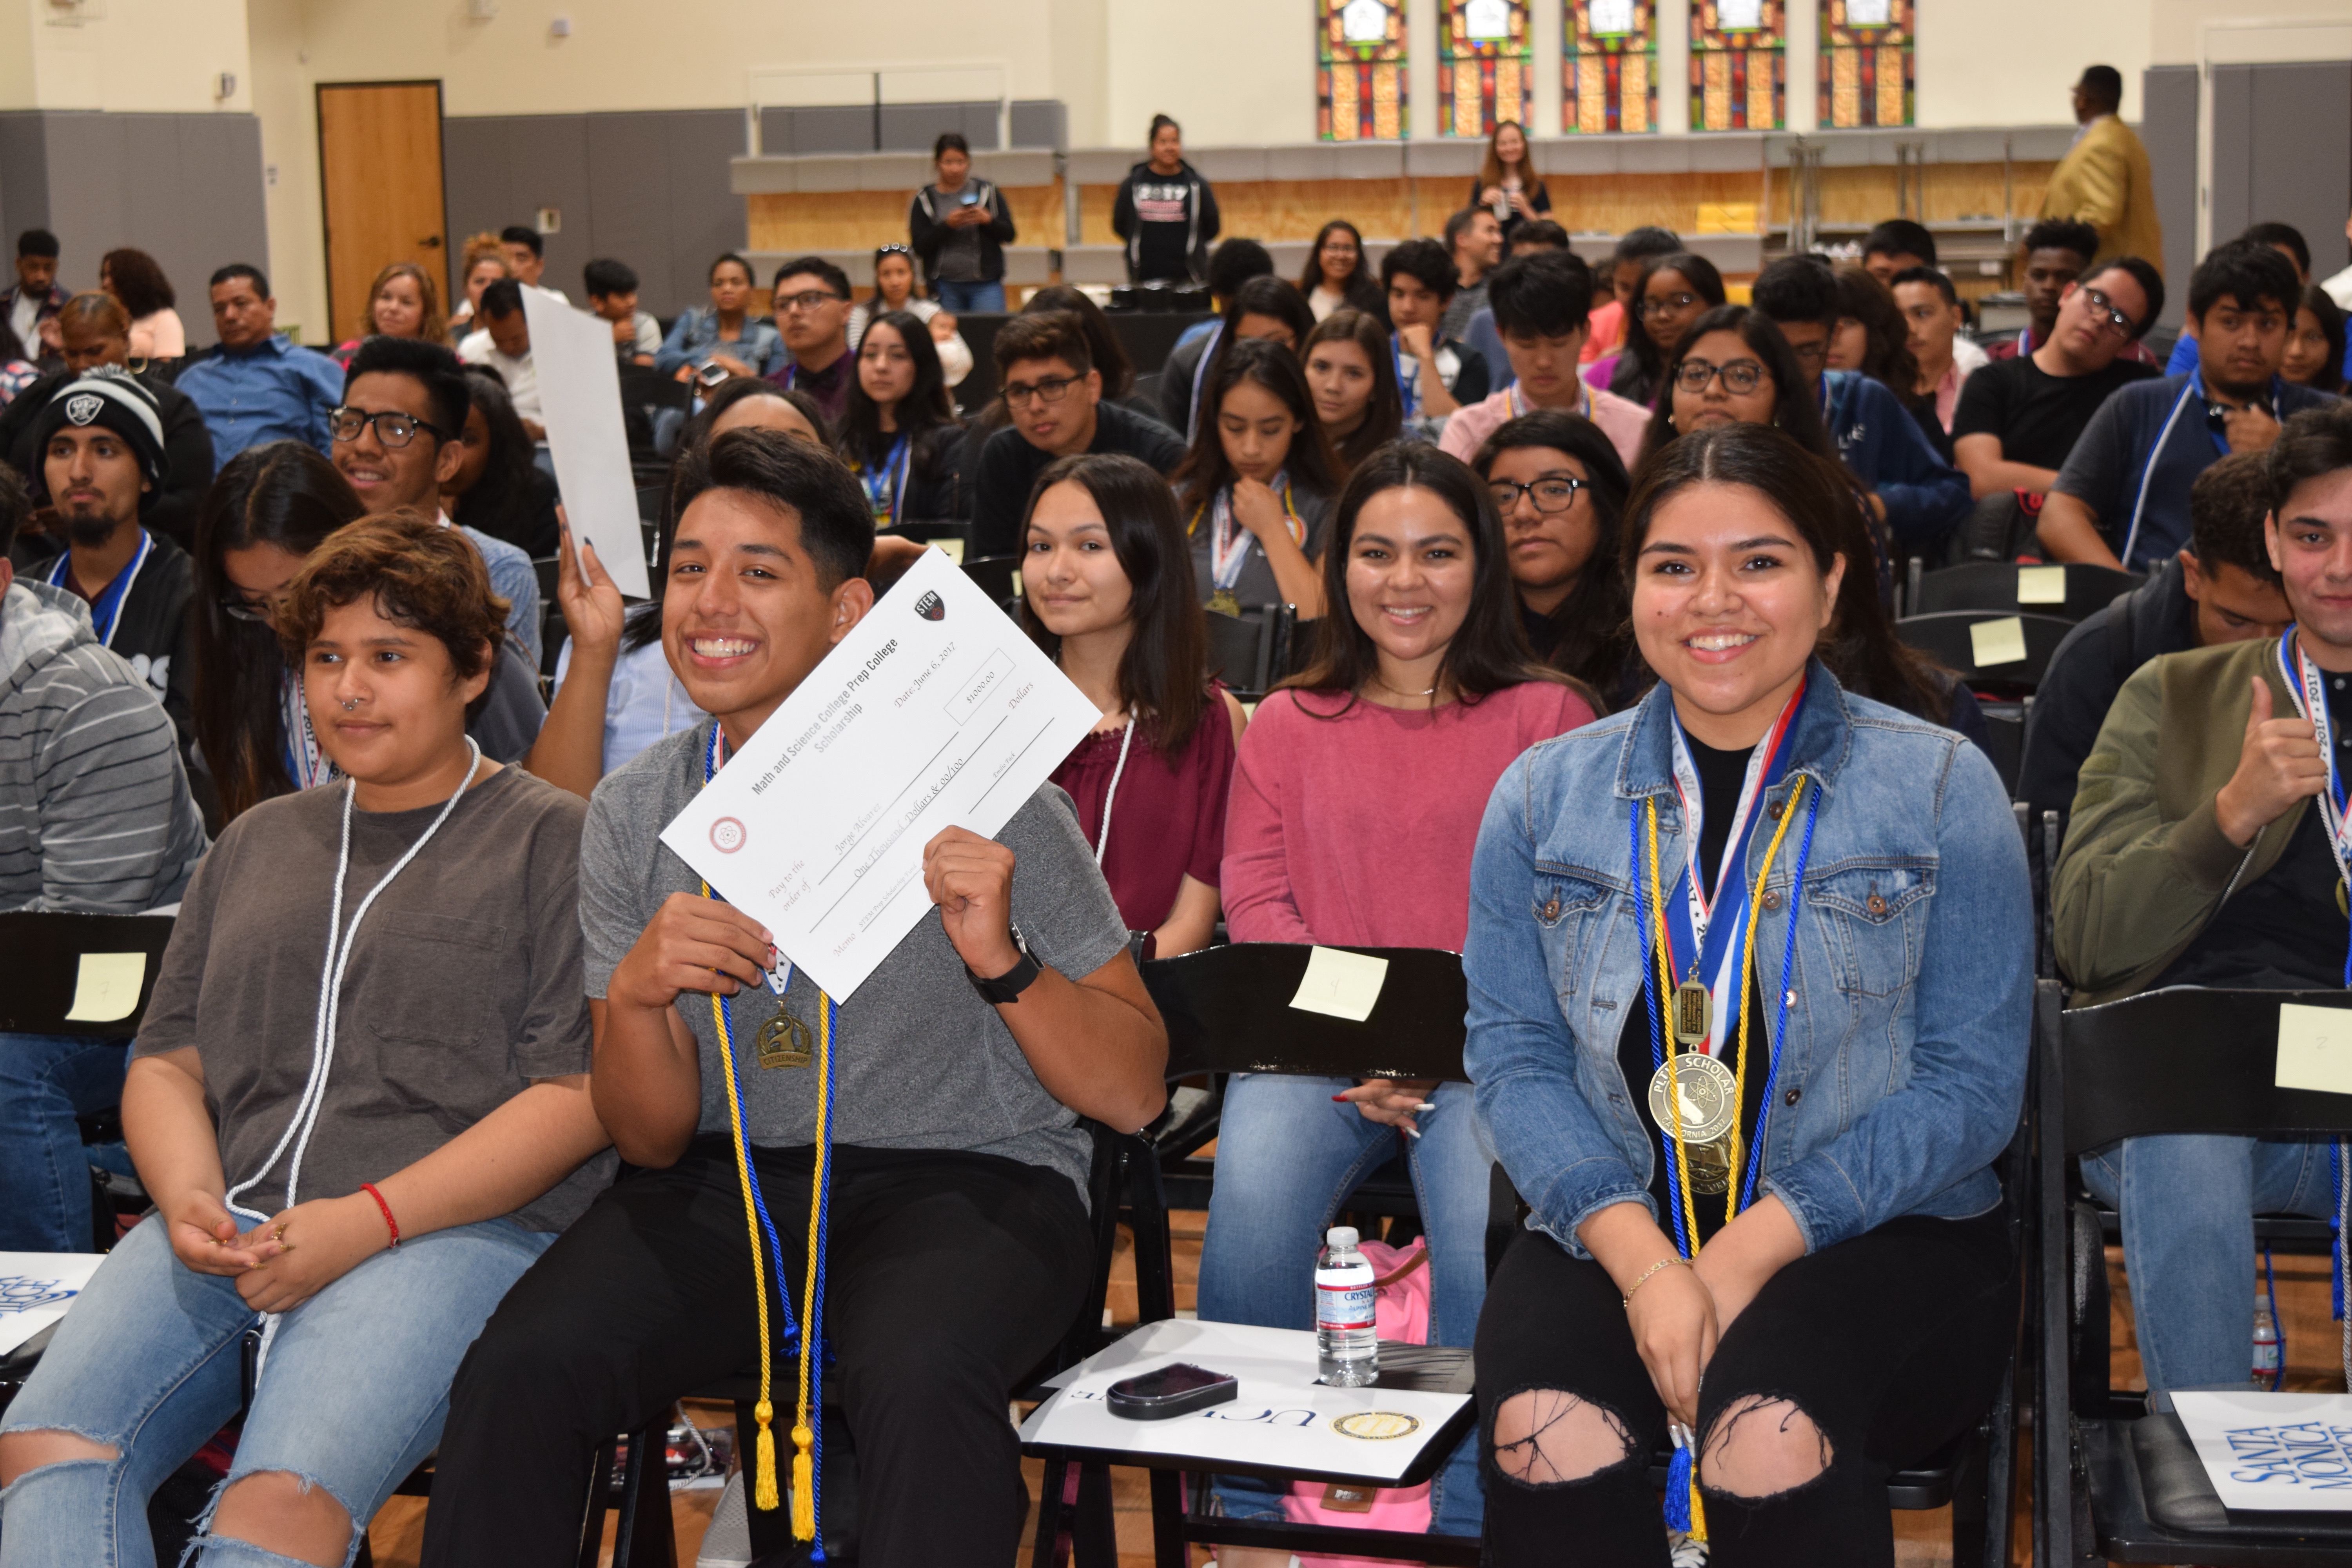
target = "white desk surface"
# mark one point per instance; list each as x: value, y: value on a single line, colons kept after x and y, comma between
x: 1282, y: 1420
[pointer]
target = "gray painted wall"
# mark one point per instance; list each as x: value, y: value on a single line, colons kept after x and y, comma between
x: 2283, y: 152
x: 908, y: 127
x: 648, y: 188
x: 2168, y: 128
x: 185, y: 188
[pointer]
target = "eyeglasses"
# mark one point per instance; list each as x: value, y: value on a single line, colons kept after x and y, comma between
x: 812, y: 300
x: 1812, y: 353
x: 255, y: 612
x: 1671, y: 302
x: 393, y: 427
x: 1550, y: 495
x: 1052, y: 389
x: 2103, y: 310
x: 1740, y: 377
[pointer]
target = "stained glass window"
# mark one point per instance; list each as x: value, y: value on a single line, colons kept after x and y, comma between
x: 1866, y: 72
x: 1739, y: 65
x: 1611, y: 74
x: 1482, y: 66
x: 1360, y: 81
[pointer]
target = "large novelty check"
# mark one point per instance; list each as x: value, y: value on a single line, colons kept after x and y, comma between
x: 935, y: 711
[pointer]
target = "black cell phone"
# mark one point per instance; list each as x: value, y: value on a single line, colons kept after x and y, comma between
x: 971, y: 198
x: 1174, y: 1390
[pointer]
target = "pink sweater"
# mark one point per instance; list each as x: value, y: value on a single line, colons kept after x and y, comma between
x: 1358, y: 830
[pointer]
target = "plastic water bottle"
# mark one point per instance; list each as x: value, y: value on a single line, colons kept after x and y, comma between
x: 1347, y: 1341
x: 2266, y: 1342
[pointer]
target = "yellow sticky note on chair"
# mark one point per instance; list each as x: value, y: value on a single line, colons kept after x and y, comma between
x: 106, y: 987
x: 2314, y: 1049
x: 2000, y: 641
x: 2041, y: 585
x: 953, y: 550
x: 1340, y: 984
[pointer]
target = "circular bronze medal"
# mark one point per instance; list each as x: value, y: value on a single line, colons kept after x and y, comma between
x: 784, y: 1041
x: 1709, y: 1095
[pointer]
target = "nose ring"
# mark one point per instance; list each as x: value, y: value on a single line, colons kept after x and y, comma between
x: 355, y: 702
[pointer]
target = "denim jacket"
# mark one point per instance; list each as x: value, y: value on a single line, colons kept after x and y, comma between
x: 1902, y: 1066
x: 695, y: 338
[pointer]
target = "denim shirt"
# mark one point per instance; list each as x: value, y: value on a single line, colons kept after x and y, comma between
x: 274, y: 390
x: 695, y: 338
x: 1903, y: 1064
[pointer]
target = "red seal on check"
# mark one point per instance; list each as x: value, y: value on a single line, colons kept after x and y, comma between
x: 727, y: 835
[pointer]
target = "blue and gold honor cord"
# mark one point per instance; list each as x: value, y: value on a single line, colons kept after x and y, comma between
x: 1684, y: 1512
x: 808, y: 1468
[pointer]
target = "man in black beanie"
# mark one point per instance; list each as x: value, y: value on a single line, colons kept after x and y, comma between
x: 101, y: 465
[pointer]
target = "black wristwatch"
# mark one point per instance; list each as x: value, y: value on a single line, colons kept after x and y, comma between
x: 1008, y: 986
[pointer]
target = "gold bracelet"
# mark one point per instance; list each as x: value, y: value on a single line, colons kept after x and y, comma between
x: 1646, y: 1273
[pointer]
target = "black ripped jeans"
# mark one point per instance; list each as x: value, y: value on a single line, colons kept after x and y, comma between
x: 1893, y: 1342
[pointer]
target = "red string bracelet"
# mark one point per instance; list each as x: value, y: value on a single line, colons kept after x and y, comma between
x: 390, y: 1223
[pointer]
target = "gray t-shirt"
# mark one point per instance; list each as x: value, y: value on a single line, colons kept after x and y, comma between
x: 1255, y: 586
x: 922, y: 1062
x: 464, y: 984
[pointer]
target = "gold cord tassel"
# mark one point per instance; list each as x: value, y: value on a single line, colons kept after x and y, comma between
x: 803, y: 1483
x: 765, y: 1460
x: 1699, y: 1509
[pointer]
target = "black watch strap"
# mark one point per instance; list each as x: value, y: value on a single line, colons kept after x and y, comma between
x: 1008, y: 986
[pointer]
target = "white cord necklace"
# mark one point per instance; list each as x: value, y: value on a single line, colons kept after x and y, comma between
x: 1102, y: 839
x: 322, y: 1040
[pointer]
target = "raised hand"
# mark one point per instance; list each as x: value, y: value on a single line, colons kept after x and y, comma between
x: 2278, y: 765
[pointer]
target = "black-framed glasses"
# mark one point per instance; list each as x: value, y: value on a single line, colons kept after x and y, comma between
x: 393, y: 427
x: 1671, y: 302
x: 2105, y: 313
x: 807, y: 300
x: 1740, y: 377
x: 1552, y: 494
x: 1052, y: 389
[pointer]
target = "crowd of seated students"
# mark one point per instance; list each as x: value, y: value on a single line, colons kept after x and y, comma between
x: 1585, y: 565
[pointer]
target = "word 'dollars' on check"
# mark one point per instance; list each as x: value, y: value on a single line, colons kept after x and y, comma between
x: 935, y: 711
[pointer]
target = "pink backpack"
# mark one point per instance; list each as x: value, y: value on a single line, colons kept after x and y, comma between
x: 1401, y: 1278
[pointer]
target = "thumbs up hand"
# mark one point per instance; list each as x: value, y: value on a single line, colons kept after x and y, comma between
x: 2278, y: 765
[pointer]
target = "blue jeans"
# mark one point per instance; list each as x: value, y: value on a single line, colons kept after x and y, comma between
x: 957, y: 299
x: 350, y: 1399
x: 2187, y: 1203
x: 47, y: 1080
x: 1288, y: 1157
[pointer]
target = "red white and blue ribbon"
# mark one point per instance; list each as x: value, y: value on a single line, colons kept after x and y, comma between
x: 1707, y: 928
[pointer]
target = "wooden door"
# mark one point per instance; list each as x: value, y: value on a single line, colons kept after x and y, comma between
x: 380, y: 178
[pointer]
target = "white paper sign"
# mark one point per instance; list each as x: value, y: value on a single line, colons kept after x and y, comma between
x: 2314, y: 1049
x: 1739, y: 16
x: 1341, y: 984
x: 1281, y: 1416
x: 2273, y: 1450
x: 935, y: 711
x: 36, y: 1289
x: 580, y: 400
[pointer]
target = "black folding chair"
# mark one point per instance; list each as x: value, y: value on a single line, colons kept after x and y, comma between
x: 994, y: 574
x: 1996, y: 585
x: 1255, y: 651
x: 1228, y: 1010
x: 1950, y: 639
x: 2116, y: 1481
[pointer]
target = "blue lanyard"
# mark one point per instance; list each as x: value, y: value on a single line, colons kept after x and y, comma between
x: 106, y: 610
x: 885, y: 486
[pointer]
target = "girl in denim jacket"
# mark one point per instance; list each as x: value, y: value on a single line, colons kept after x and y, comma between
x: 1783, y: 1251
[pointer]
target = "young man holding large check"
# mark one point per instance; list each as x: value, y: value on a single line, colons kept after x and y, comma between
x: 943, y: 1091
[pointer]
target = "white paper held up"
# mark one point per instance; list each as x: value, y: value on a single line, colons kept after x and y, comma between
x: 934, y: 711
x: 580, y: 398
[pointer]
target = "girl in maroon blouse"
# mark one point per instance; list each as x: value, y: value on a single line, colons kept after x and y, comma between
x: 1107, y: 580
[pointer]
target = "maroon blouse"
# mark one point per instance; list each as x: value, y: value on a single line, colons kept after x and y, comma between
x: 1167, y: 819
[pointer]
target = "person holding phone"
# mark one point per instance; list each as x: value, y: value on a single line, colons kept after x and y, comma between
x: 960, y: 226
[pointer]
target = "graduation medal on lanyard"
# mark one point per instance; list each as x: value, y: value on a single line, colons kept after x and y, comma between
x: 1707, y: 935
x: 1229, y: 544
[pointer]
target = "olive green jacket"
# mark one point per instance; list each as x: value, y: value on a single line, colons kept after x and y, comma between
x: 2146, y: 865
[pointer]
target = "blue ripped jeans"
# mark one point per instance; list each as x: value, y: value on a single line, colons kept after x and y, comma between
x: 2187, y: 1203
x: 1288, y: 1157
x: 350, y: 1399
